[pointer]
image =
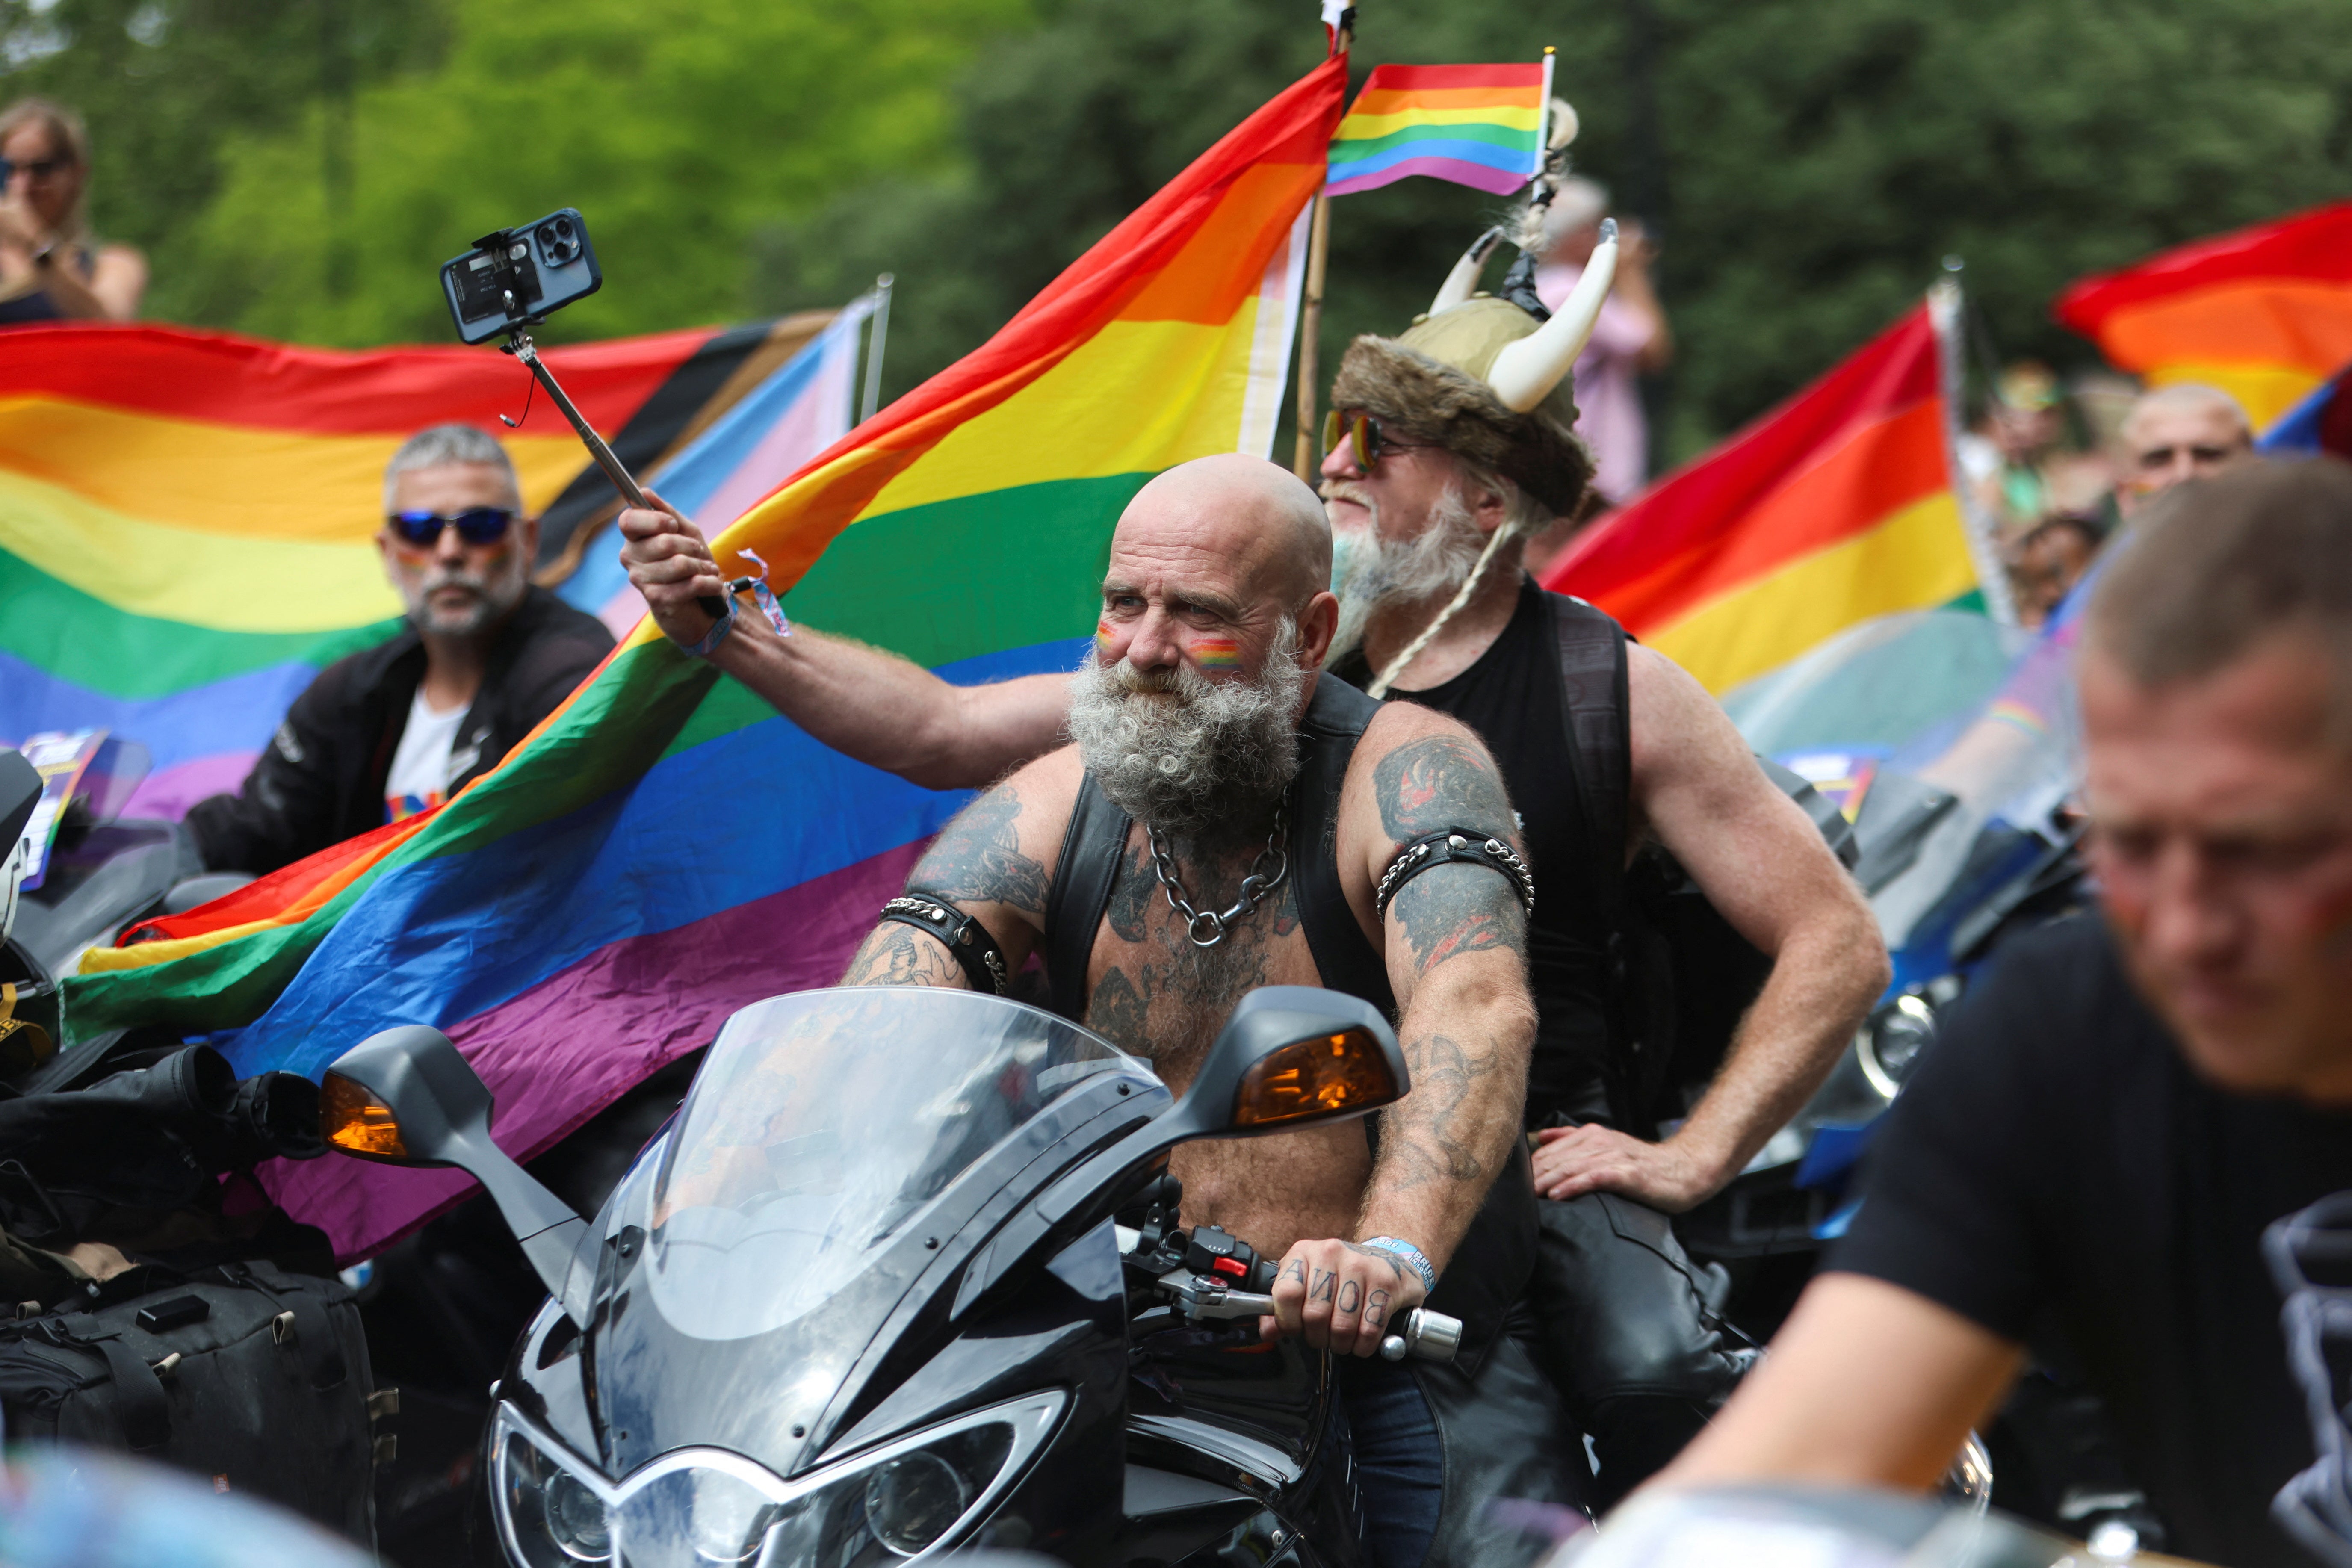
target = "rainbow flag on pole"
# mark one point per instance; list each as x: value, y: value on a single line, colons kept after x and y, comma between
x: 2265, y: 313
x: 1833, y: 508
x: 665, y: 848
x: 1475, y: 125
x: 187, y: 520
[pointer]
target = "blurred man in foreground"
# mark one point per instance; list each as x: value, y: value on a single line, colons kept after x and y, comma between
x: 2121, y: 1106
x: 2180, y: 432
x: 399, y: 728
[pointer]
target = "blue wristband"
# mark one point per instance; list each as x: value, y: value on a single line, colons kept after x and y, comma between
x: 1409, y: 1255
x: 718, y: 632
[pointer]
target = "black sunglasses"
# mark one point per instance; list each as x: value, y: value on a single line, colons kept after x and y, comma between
x: 37, y: 168
x: 475, y: 525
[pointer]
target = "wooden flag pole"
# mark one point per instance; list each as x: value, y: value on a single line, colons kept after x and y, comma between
x: 1305, y: 460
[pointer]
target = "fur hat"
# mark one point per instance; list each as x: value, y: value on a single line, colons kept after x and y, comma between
x: 1429, y: 385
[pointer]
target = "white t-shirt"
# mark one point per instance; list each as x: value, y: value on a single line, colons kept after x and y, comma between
x: 419, y: 779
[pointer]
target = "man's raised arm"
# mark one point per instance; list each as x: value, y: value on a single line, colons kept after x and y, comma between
x: 875, y: 706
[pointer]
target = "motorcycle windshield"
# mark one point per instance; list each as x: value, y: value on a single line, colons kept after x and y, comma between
x: 822, y: 1123
x: 1923, y: 728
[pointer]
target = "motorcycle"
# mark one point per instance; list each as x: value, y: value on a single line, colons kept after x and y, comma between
x: 904, y: 1275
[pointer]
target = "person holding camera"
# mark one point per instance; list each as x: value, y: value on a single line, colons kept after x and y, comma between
x: 397, y: 728
x: 51, y: 267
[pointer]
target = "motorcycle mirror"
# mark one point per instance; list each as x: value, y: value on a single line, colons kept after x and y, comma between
x: 407, y: 1096
x: 1290, y: 1055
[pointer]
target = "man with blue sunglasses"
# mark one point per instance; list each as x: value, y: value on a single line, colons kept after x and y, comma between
x: 397, y: 728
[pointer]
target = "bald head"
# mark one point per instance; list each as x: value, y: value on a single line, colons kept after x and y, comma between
x: 2185, y: 431
x: 1261, y: 518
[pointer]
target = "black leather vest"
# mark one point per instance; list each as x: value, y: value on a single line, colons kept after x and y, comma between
x: 1496, y: 1253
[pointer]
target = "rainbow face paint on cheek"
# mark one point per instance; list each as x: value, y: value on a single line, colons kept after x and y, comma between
x: 1217, y: 653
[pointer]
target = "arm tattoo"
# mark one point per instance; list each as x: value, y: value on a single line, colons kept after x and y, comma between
x: 1437, y: 783
x: 1424, y: 1127
x: 1351, y: 1293
x: 1323, y: 1281
x: 977, y: 859
x: 1459, y: 908
x: 898, y: 955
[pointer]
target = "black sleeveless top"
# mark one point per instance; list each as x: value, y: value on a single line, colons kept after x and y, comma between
x: 25, y: 310
x: 1512, y: 697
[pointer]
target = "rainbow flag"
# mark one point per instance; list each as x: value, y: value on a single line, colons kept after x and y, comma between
x: 1475, y: 125
x: 2265, y: 313
x: 187, y: 520
x: 665, y: 849
x: 1833, y: 508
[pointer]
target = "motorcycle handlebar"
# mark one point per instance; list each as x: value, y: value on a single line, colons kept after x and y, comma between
x: 1424, y: 1335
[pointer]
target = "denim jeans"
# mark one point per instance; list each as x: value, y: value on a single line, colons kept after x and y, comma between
x: 1400, y: 1461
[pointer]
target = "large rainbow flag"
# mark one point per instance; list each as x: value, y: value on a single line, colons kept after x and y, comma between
x: 1833, y: 508
x: 665, y: 849
x: 187, y: 520
x: 2265, y: 313
x: 1475, y: 125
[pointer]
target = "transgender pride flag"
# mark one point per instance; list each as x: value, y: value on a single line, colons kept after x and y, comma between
x: 799, y: 411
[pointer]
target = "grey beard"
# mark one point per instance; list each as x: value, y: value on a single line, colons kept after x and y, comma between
x: 1184, y: 753
x: 1379, y: 571
x: 492, y: 600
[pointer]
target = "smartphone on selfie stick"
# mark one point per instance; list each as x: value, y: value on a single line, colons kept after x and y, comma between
x: 509, y: 282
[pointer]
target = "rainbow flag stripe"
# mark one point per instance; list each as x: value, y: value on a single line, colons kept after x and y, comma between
x: 187, y: 520
x: 1475, y: 125
x: 665, y: 848
x: 1831, y: 509
x: 2265, y: 313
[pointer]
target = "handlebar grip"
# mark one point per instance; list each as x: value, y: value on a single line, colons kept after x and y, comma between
x: 1424, y: 1335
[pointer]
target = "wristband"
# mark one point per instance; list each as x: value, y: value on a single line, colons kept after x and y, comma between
x: 1409, y: 1255
x: 718, y: 632
x: 966, y: 940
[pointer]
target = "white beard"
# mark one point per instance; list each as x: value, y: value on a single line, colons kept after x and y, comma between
x: 1371, y: 573
x: 1184, y: 753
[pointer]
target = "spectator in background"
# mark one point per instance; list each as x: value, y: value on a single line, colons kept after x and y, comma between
x: 2185, y: 431
x: 2049, y: 559
x: 1630, y: 339
x: 50, y: 267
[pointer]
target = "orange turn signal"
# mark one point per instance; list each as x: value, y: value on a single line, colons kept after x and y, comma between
x: 1322, y: 1076
x: 352, y: 1118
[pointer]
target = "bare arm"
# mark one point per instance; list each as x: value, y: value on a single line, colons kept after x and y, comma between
x: 1867, y: 1384
x: 1765, y: 867
x: 991, y: 863
x: 875, y: 706
x: 1636, y: 286
x: 1455, y: 940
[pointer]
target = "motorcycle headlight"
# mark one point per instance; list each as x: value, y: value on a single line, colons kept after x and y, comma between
x: 1891, y: 1041
x: 706, y: 1508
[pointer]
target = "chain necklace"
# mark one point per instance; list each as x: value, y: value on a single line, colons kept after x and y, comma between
x: 1260, y: 881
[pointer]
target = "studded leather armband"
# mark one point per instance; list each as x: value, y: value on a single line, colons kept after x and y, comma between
x: 966, y: 937
x: 1450, y: 845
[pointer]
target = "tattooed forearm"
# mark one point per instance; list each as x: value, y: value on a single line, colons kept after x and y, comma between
x: 1459, y: 908
x: 978, y: 859
x: 1434, y: 1133
x: 898, y: 955
x: 1440, y: 782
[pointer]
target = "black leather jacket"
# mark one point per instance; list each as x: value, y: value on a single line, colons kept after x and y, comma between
x: 321, y: 778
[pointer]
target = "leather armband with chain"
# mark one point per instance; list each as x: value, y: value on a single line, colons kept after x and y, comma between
x: 1455, y: 843
x: 966, y: 937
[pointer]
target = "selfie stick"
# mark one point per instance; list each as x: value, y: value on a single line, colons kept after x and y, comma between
x: 519, y: 344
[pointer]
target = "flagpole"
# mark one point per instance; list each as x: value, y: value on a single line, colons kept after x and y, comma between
x: 1305, y: 460
x: 1945, y: 316
x: 877, y: 333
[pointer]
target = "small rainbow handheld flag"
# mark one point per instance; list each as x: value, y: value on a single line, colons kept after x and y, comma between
x: 1475, y: 125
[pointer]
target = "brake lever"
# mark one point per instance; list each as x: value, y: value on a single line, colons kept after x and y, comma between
x: 1420, y: 1333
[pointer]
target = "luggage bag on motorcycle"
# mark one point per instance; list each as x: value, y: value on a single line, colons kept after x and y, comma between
x: 251, y: 1374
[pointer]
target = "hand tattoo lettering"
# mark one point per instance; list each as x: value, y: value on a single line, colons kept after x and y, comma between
x: 1351, y: 1292
x: 1296, y: 1270
x: 1323, y: 1281
x: 1376, y: 1309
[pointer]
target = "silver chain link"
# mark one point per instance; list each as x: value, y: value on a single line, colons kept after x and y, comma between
x: 1255, y: 886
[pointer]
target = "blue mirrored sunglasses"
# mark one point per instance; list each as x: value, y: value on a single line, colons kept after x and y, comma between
x: 475, y: 525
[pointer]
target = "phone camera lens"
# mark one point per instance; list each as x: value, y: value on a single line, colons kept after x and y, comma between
x: 559, y: 241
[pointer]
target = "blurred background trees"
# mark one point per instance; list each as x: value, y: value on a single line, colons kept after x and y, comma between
x: 299, y: 168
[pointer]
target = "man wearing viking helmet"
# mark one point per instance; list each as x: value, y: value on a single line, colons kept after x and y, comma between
x: 1449, y: 447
